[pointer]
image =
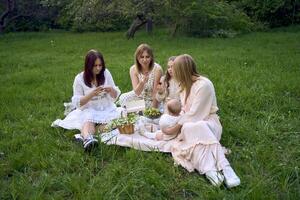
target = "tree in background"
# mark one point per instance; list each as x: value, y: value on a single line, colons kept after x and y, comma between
x: 29, y: 15
x: 213, y: 18
x: 272, y: 13
x: 145, y: 12
x: 11, y: 11
x: 208, y: 18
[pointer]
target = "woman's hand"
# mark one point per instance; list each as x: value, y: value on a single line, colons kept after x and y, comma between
x: 111, y: 91
x: 172, y: 130
x: 160, y: 88
x: 159, y: 136
x: 97, y: 91
x: 145, y: 78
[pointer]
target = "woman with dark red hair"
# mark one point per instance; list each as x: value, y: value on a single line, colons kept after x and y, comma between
x: 94, y: 93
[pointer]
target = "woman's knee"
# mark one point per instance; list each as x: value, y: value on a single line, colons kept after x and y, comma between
x: 89, y: 125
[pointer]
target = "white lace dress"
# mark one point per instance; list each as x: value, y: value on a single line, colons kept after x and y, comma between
x: 100, y: 109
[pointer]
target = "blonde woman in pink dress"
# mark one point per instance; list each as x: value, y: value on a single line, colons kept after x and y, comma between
x: 197, y: 147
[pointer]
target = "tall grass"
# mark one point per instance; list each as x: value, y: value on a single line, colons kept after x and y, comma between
x: 257, y: 81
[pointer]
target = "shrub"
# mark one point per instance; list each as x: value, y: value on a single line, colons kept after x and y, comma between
x: 209, y: 18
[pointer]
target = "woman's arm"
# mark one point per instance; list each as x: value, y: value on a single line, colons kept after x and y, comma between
x: 137, y: 85
x: 200, y: 104
x: 79, y: 99
x: 157, y: 77
x: 172, y: 130
x: 161, y: 90
x: 85, y: 99
x: 111, y: 88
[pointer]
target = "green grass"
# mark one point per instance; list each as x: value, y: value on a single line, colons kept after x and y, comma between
x: 257, y: 80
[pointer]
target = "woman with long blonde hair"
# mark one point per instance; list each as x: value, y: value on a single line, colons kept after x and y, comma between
x: 197, y: 147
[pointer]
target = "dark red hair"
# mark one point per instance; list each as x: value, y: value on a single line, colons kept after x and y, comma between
x: 90, y: 60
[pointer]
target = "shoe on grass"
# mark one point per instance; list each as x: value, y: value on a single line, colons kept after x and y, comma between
x: 90, y: 143
x: 78, y: 138
x: 215, y: 178
x: 231, y: 179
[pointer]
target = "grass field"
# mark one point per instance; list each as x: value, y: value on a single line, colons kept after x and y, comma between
x: 257, y: 81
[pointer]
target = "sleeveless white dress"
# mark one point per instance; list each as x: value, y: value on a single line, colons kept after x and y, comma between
x: 147, y: 91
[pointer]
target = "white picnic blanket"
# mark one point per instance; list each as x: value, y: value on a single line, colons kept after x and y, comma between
x: 135, y: 141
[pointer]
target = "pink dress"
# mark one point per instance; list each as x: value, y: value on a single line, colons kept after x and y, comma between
x: 197, y: 146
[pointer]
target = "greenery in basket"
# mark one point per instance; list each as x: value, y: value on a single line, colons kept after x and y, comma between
x: 122, y: 121
x: 152, y: 113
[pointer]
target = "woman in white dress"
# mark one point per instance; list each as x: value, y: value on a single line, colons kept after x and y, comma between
x: 94, y: 93
x: 198, y: 146
x: 145, y: 75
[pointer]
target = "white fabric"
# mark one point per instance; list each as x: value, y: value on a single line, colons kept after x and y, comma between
x: 166, y: 121
x: 100, y: 109
x: 197, y: 146
x: 201, y: 102
x: 136, y: 141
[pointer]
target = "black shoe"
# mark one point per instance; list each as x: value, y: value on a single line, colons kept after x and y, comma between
x: 90, y: 144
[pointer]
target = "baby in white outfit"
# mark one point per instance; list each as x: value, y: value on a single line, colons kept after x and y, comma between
x: 168, y: 119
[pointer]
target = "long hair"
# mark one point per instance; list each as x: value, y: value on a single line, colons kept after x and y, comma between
x: 184, y: 69
x: 138, y: 52
x: 168, y: 76
x: 90, y: 59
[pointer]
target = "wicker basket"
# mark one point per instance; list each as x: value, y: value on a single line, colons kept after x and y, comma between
x: 126, y: 129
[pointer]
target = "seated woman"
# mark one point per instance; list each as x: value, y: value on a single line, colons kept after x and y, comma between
x: 145, y: 75
x: 167, y: 88
x: 197, y: 146
x: 94, y: 93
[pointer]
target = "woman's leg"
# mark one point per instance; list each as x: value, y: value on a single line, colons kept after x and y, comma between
x: 87, y: 132
x: 203, y: 151
x: 210, y: 160
x: 88, y: 128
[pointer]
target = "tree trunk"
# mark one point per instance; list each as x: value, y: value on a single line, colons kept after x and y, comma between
x: 149, y: 25
x: 9, y: 7
x: 174, y: 30
x: 136, y: 24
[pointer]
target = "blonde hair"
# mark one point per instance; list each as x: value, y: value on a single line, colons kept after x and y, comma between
x: 184, y: 69
x: 168, y: 76
x: 140, y: 50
